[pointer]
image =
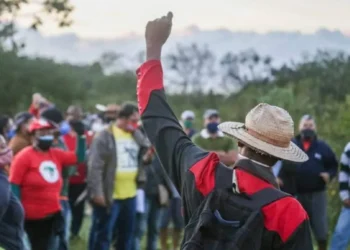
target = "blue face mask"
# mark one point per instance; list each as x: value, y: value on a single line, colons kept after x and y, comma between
x: 46, y: 138
x: 64, y: 128
x: 212, y: 127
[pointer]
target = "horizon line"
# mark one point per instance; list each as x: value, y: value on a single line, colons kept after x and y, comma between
x: 190, y: 28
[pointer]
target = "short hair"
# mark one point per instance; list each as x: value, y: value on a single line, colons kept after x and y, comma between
x: 74, y: 109
x: 127, y: 109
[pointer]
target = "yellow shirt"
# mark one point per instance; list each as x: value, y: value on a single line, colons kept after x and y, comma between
x: 127, y: 164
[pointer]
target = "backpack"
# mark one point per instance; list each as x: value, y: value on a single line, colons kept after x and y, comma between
x: 229, y: 221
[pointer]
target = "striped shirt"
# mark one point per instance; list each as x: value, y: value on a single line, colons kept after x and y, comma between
x: 344, y: 175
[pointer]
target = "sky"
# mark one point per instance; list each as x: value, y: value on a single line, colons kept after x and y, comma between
x: 114, y: 18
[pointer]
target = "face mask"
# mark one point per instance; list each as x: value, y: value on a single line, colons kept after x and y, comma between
x: 212, y: 127
x: 64, y: 128
x: 108, y: 119
x: 188, y: 124
x: 308, y: 134
x: 45, y: 142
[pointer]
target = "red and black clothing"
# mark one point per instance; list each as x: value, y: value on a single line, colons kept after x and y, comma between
x: 197, y: 172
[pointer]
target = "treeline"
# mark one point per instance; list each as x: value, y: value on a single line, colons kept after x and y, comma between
x: 318, y: 86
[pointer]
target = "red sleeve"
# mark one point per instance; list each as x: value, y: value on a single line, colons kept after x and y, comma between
x: 175, y: 150
x: 66, y: 157
x: 19, y: 166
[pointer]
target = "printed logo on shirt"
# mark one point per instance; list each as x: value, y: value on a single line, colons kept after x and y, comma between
x: 127, y: 153
x: 49, y: 172
x: 318, y: 156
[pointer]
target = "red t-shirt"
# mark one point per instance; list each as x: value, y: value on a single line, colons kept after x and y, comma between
x: 71, y: 142
x: 38, y: 174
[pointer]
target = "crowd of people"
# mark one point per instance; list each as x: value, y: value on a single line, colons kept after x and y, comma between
x: 138, y: 168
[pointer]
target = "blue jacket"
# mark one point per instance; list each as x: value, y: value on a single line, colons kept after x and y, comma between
x: 321, y: 159
x: 11, y: 217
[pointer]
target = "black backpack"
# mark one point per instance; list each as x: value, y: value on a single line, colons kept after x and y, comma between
x: 229, y: 221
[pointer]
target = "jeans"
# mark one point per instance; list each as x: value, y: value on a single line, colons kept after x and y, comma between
x: 26, y: 242
x: 67, y: 217
x: 341, y: 235
x: 103, y: 224
x: 149, y: 220
x: 75, y: 190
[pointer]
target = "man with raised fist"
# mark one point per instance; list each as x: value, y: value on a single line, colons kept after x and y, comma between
x: 224, y: 208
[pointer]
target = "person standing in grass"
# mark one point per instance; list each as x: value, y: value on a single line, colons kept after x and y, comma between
x: 112, y: 180
x: 77, y: 182
x: 55, y: 116
x: 35, y: 175
x: 313, y: 176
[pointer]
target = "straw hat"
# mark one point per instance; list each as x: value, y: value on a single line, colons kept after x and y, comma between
x: 268, y: 129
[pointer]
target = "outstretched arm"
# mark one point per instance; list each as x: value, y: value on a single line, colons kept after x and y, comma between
x: 175, y: 150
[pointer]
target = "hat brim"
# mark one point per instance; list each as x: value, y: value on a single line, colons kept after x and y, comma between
x: 237, y: 130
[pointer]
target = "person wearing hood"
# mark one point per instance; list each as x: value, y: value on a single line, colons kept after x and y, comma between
x: 211, y: 139
x: 313, y: 176
x: 22, y: 138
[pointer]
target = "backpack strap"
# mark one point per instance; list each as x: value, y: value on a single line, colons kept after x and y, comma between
x: 267, y: 196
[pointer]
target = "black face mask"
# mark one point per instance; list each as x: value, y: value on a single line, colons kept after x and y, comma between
x: 44, y: 143
x: 108, y: 119
x: 308, y: 134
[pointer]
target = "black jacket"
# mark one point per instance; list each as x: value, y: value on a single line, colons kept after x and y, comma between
x: 196, y: 172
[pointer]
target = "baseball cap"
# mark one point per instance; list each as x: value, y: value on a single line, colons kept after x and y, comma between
x: 187, y: 114
x: 210, y: 112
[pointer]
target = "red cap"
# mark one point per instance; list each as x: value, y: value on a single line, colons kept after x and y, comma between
x: 38, y: 124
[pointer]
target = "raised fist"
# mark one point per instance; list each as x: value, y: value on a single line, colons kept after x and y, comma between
x: 158, y: 31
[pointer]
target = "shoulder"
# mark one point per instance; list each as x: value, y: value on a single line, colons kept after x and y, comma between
x: 284, y: 217
x: 324, y: 145
x: 25, y: 152
x: 347, y: 147
x: 57, y: 151
x: 103, y: 134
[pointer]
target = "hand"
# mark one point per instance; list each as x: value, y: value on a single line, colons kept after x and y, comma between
x: 346, y: 203
x: 279, y: 182
x: 99, y: 200
x: 325, y: 176
x: 147, y: 157
x: 77, y: 126
x: 157, y: 32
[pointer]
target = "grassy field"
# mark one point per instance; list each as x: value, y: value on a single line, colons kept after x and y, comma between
x: 81, y: 243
